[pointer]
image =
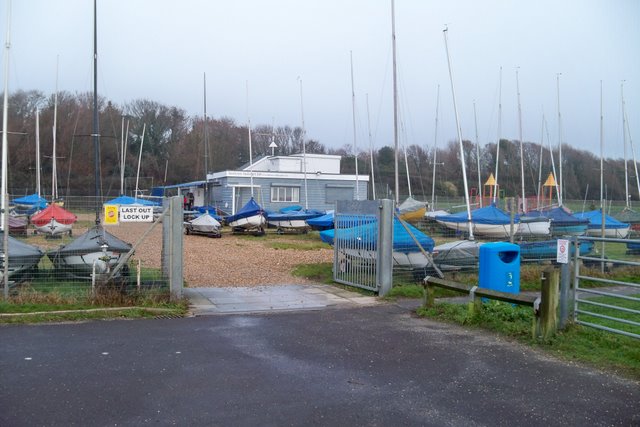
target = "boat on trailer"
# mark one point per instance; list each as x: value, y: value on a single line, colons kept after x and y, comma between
x: 23, y: 259
x: 54, y: 221
x: 205, y: 225
x: 612, y: 227
x: 563, y: 223
x: 96, y: 248
x: 487, y: 222
x: 248, y: 219
x: 292, y: 220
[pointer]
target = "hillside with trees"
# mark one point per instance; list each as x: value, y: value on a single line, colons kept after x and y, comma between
x: 174, y: 149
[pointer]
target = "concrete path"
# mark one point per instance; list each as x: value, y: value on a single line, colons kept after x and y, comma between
x: 208, y: 301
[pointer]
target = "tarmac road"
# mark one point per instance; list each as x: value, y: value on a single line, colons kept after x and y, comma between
x: 357, y: 366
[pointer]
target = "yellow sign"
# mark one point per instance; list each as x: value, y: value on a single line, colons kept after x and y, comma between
x: 110, y: 214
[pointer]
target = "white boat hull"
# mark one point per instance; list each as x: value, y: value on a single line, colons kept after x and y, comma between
x: 404, y: 260
x: 249, y: 223
x: 612, y: 233
x: 534, y: 228
x: 54, y: 228
x: 486, y: 230
x: 294, y: 224
x: 81, y: 266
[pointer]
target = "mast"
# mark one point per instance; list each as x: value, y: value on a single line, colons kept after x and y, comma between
x: 96, y: 126
x: 601, y: 153
x: 373, y: 176
x: 495, y: 186
x: 144, y: 128
x: 54, y: 165
x: 624, y: 142
x: 553, y: 163
x: 250, y: 148
x: 353, y: 113
x: 475, y: 119
x: 5, y: 116
x: 560, y: 186
x: 395, y: 101
x: 633, y: 152
x: 406, y: 165
x: 304, y: 150
x: 3, y: 196
x: 464, y: 168
x: 206, y: 144
x: 38, y: 153
x: 122, y: 156
x: 435, y: 153
x: 524, y: 197
x: 539, y: 186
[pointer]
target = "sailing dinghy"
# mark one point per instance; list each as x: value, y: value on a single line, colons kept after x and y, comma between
x: 53, y: 221
x: 249, y: 218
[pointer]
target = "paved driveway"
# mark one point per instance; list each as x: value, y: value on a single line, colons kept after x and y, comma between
x: 353, y: 366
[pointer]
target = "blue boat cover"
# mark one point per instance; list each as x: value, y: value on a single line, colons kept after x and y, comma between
x: 126, y: 200
x: 559, y: 216
x: 291, y: 208
x: 250, y: 209
x: 595, y: 220
x: 486, y: 215
x: 323, y: 221
x: 294, y: 215
x: 367, y: 234
x: 33, y: 200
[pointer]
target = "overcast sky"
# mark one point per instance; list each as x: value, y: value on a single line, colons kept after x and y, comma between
x: 159, y: 50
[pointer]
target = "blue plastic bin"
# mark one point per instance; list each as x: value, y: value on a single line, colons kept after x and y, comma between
x: 500, y: 267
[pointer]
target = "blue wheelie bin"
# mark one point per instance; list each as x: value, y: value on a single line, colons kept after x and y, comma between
x: 500, y: 267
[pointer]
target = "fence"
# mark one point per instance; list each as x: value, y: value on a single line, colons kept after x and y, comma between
x: 74, y: 254
x: 617, y: 312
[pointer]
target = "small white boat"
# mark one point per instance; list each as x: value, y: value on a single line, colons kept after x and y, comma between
x: 53, y: 221
x: 534, y: 227
x: 205, y: 225
x: 249, y: 218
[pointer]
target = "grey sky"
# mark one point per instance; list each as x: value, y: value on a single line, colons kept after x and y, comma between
x: 160, y: 49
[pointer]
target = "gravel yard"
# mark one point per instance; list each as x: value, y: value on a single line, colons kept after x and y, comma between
x: 228, y: 261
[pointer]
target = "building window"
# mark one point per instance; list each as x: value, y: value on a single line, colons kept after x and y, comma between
x: 335, y: 193
x: 285, y: 194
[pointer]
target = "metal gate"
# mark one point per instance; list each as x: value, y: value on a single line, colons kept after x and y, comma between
x: 363, y: 244
x: 619, y: 311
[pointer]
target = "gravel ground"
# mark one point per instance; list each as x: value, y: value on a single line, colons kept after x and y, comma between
x: 228, y: 261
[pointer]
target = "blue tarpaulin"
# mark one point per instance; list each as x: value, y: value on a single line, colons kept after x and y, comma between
x: 126, y: 200
x: 31, y: 201
x: 367, y: 234
x: 250, y: 209
x: 595, y: 220
x: 486, y: 215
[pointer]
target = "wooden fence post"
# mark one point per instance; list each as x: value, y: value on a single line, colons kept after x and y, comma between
x: 549, y: 304
x: 428, y: 295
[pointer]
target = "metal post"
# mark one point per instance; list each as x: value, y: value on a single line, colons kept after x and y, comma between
x: 385, y: 247
x: 565, y: 272
x: 576, y: 279
x: 172, y: 245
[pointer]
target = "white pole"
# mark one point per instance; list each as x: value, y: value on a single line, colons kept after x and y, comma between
x: 435, y: 153
x: 553, y: 163
x: 38, y: 183
x: 633, y: 153
x: 54, y: 166
x: 495, y: 186
x: 601, y: 152
x: 395, y: 101
x: 250, y: 147
x: 560, y: 186
x: 144, y: 128
x: 624, y: 142
x: 464, y: 169
x: 539, y: 187
x: 122, y: 157
x: 373, y: 176
x: 304, y: 150
x: 5, y: 111
x: 475, y: 119
x: 524, y: 196
x: 353, y: 113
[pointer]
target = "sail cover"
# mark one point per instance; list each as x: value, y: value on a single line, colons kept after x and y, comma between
x: 56, y: 212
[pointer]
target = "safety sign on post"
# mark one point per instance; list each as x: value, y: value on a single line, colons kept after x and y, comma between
x: 562, y: 255
x: 110, y: 214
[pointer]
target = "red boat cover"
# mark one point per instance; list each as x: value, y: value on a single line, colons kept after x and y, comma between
x: 53, y: 211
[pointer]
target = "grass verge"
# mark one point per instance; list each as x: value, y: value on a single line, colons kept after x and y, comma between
x: 600, y: 349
